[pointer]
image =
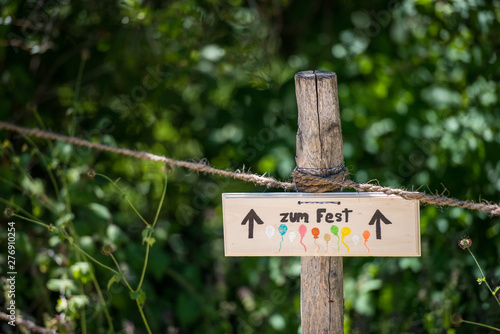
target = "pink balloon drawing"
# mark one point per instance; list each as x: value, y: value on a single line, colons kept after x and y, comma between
x: 303, y: 231
x: 366, y: 235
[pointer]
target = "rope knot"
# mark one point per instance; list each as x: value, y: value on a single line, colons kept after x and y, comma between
x: 319, y: 180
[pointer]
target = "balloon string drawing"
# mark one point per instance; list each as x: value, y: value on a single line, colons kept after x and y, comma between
x: 282, y: 230
x: 355, y: 239
x: 291, y: 237
x: 344, y: 233
x: 303, y: 231
x: 335, y: 231
x: 315, y: 233
x: 327, y: 239
x: 366, y: 236
x: 270, y: 232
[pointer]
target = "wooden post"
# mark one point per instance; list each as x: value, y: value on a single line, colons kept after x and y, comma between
x: 319, y: 145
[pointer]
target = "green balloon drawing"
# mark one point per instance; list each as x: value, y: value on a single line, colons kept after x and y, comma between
x: 335, y: 231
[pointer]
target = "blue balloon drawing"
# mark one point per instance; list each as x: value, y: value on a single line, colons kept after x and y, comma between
x: 282, y: 230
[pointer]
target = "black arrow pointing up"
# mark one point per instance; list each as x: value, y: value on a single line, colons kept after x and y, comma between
x: 251, y: 217
x: 377, y: 217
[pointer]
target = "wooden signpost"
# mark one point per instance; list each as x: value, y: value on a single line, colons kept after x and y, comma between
x: 333, y: 224
x: 321, y: 228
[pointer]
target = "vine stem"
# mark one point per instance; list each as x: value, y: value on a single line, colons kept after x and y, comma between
x: 484, y: 277
x: 101, y: 298
x: 18, y: 208
x: 477, y: 263
x: 31, y: 220
x: 143, y: 316
x: 482, y: 325
x: 145, y: 265
x: 132, y: 290
x: 125, y: 196
x: 120, y: 272
x: 94, y: 260
x: 151, y: 233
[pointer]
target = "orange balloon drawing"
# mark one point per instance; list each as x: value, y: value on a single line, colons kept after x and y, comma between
x: 366, y: 235
x: 315, y: 233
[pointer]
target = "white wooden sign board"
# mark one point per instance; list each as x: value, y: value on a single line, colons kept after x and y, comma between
x: 327, y: 224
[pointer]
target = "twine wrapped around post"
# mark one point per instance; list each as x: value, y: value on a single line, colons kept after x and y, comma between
x: 319, y: 180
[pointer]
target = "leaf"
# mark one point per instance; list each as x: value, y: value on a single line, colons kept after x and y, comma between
x: 140, y: 296
x: 134, y: 295
x: 81, y: 272
x: 150, y: 241
x: 100, y: 210
x: 115, y: 278
x: 370, y: 285
x: 63, y: 220
x: 78, y: 302
x: 145, y: 234
x: 60, y: 285
x: 115, y: 234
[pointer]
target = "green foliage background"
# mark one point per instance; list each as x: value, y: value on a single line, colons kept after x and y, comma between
x: 193, y: 79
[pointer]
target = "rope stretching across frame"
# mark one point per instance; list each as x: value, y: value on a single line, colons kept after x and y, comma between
x: 302, y: 178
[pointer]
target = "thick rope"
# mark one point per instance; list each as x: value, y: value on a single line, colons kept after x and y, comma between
x: 301, y: 177
x: 200, y: 167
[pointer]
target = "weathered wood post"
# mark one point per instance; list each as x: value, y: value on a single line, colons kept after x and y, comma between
x: 319, y: 145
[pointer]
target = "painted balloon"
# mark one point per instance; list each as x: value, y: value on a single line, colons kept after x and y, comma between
x: 345, y: 231
x: 292, y: 236
x: 315, y: 232
x: 366, y: 236
x: 327, y: 239
x: 270, y: 231
x: 355, y: 239
x: 303, y: 231
x: 335, y: 231
x: 282, y: 230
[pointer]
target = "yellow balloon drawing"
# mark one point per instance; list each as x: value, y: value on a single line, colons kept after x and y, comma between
x: 345, y: 231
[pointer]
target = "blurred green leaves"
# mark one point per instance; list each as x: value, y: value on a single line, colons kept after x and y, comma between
x: 188, y: 79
